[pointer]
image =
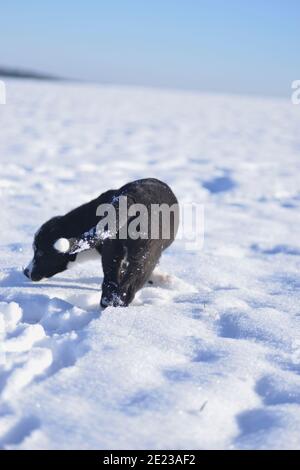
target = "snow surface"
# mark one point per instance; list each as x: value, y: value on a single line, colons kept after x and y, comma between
x: 208, y: 358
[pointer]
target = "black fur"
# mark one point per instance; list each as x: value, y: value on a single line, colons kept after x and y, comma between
x: 127, y: 264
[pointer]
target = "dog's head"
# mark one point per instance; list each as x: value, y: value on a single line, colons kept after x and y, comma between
x: 51, y: 254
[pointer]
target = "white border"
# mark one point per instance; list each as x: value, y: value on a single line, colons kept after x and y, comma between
x: 2, y: 92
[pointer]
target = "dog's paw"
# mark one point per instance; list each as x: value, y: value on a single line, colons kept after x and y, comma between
x: 115, y: 295
x: 113, y: 301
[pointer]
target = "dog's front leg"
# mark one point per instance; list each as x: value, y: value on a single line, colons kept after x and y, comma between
x: 120, y: 291
x: 113, y: 259
x: 126, y: 271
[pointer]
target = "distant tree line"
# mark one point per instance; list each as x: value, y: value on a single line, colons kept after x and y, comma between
x: 19, y: 73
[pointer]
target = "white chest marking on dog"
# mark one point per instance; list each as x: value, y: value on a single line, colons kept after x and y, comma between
x: 90, y: 255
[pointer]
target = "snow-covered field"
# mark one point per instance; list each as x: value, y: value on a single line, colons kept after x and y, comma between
x: 208, y: 359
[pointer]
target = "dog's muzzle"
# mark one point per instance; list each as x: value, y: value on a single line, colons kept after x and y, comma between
x: 28, y: 272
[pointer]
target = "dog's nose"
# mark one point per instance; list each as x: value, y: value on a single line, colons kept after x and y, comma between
x: 26, y: 272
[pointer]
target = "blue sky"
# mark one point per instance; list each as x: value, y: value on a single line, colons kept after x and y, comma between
x: 241, y: 46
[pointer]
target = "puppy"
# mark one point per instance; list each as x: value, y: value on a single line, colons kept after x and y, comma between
x: 129, y: 227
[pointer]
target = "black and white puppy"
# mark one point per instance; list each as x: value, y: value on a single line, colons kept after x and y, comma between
x: 127, y: 261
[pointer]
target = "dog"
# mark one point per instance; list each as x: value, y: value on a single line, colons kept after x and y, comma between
x: 130, y: 249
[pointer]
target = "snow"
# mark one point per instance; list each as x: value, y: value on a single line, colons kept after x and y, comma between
x: 62, y: 245
x: 207, y: 357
